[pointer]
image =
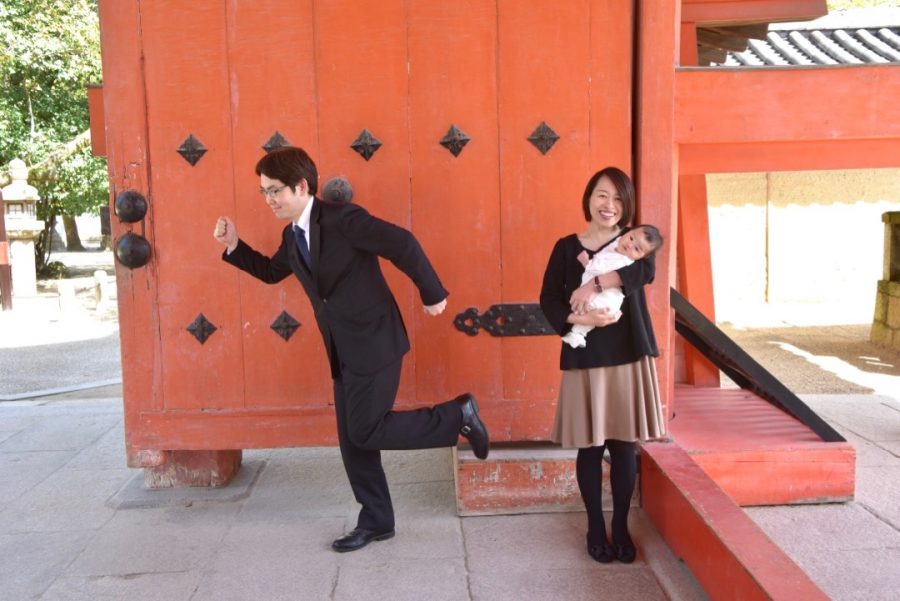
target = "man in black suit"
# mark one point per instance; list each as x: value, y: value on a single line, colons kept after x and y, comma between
x: 333, y: 250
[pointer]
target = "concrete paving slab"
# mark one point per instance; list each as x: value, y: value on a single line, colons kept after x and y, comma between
x: 418, y: 539
x: 22, y: 471
x: 32, y: 561
x: 848, y: 552
x: 295, y: 582
x: 878, y: 489
x: 105, y: 453
x: 404, y: 581
x: 892, y: 446
x: 60, y: 433
x: 301, y: 541
x: 873, y: 417
x: 168, y: 586
x: 54, y: 406
x: 143, y: 541
x: 51, y: 505
x: 293, y: 487
x: 868, y: 453
x: 572, y: 584
x: 424, y: 498
x: 402, y: 467
x: 499, y: 544
x: 856, y: 575
x: 820, y: 529
x: 272, y: 561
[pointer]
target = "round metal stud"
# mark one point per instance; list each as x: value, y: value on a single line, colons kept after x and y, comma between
x: 133, y: 250
x: 131, y: 206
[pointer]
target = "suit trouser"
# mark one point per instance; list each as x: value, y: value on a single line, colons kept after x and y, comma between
x: 367, y: 425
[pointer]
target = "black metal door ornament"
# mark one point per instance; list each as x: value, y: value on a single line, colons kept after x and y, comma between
x: 133, y: 250
x: 131, y: 206
x: 505, y: 320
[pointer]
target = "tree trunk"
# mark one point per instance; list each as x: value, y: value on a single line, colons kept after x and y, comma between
x: 73, y: 241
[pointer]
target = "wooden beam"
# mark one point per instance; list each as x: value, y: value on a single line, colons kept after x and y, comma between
x: 793, y: 104
x: 789, y: 156
x: 688, y: 56
x: 731, y: 557
x: 734, y: 12
x: 97, y: 120
x: 706, y: 56
x: 758, y: 31
x: 716, y: 39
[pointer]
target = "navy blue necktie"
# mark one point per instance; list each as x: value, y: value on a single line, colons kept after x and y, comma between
x: 301, y: 244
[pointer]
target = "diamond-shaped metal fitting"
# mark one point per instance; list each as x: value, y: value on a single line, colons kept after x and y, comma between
x: 366, y: 144
x: 543, y: 137
x: 201, y: 328
x: 285, y: 325
x: 276, y: 141
x: 454, y: 140
x: 191, y: 149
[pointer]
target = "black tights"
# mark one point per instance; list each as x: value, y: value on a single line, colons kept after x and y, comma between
x: 622, y: 475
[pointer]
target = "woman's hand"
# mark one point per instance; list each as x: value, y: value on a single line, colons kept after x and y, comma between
x: 597, y: 318
x: 581, y: 298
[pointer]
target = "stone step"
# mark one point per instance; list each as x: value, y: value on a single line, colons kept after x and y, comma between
x: 522, y: 478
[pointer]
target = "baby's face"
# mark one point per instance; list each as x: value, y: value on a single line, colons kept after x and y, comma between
x: 634, y: 244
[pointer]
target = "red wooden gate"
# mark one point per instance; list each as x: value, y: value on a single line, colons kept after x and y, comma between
x: 236, y: 76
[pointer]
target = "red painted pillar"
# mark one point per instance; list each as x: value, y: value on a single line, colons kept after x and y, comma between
x: 695, y: 270
x: 694, y: 266
x: 657, y: 164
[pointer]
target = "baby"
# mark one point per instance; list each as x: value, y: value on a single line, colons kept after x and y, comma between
x: 637, y: 243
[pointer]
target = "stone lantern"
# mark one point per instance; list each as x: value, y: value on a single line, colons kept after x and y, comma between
x: 22, y: 228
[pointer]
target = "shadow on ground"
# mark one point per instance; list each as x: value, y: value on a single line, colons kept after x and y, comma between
x: 820, y: 359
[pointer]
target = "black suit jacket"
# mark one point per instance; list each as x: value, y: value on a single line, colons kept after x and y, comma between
x: 355, y: 310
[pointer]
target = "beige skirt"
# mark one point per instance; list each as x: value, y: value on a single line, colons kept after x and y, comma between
x: 619, y: 402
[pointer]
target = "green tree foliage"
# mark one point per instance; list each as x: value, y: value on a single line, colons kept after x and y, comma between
x: 49, y: 52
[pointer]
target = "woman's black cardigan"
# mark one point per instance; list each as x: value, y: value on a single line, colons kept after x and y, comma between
x: 619, y: 343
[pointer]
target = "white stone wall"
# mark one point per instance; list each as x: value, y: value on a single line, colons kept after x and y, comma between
x: 810, y: 239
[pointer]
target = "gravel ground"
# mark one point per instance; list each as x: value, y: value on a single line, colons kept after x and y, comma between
x: 833, y: 359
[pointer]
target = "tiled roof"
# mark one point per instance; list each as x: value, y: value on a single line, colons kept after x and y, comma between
x: 870, y: 45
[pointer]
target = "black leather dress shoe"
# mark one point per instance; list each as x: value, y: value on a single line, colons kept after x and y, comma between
x: 359, y: 538
x: 472, y: 426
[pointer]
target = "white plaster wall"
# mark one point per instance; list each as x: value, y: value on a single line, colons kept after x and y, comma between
x: 811, y: 238
x: 737, y: 238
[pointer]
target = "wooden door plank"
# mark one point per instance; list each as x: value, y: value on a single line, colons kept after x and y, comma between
x: 265, y: 101
x: 455, y: 199
x: 185, y: 67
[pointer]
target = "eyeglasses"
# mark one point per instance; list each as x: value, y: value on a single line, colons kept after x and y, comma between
x: 271, y: 192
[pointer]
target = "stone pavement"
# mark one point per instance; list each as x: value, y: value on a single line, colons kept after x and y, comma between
x: 64, y: 535
x: 70, y: 531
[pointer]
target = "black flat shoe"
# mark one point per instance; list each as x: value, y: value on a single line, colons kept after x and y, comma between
x: 603, y: 552
x: 472, y: 427
x: 626, y: 552
x: 359, y: 538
